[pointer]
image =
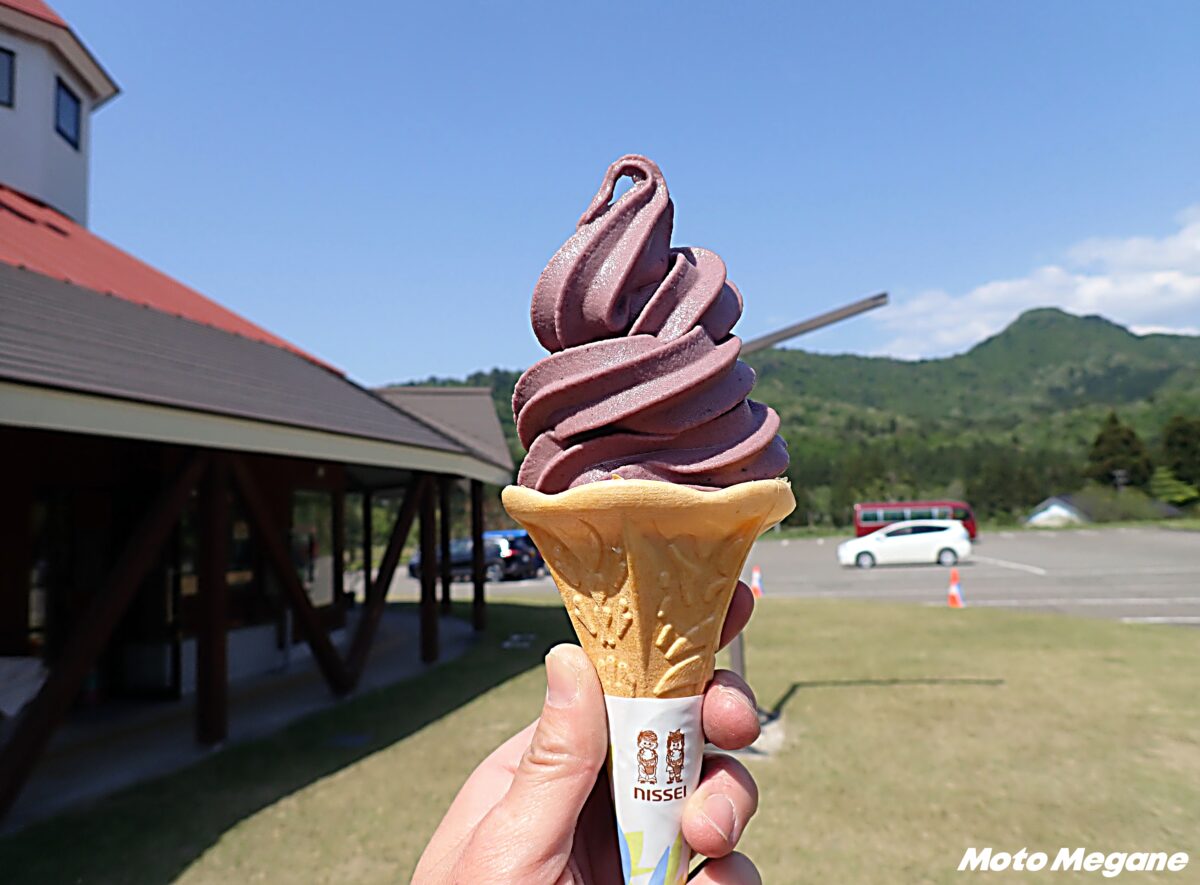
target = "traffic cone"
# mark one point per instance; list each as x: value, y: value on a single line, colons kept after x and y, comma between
x: 954, y: 598
x: 756, y: 582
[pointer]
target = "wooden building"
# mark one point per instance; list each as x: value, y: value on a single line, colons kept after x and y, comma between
x: 179, y: 480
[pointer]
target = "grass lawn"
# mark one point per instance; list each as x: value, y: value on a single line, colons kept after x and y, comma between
x: 909, y: 734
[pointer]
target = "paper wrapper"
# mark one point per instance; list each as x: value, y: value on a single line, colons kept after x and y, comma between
x: 646, y: 570
x: 655, y: 753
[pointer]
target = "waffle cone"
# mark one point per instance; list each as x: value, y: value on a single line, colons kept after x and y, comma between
x: 646, y: 570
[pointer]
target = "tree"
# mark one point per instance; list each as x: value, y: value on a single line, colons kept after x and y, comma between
x: 1181, y: 448
x: 1165, y: 486
x: 1118, y: 456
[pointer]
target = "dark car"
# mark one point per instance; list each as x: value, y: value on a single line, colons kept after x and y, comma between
x: 502, y: 558
x: 520, y: 540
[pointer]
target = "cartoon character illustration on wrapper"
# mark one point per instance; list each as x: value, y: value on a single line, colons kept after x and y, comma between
x: 675, y: 757
x: 647, y: 757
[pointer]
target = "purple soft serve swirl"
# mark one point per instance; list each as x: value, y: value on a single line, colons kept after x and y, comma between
x: 643, y: 379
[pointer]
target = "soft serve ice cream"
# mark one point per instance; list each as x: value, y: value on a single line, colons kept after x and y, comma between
x: 649, y: 474
x: 643, y: 380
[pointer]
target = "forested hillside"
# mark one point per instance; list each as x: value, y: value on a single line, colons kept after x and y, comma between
x: 1004, y: 425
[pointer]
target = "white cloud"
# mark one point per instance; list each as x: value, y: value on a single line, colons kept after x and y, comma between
x: 1144, y: 283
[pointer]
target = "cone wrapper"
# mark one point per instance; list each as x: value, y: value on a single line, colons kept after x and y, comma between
x: 646, y: 570
x: 656, y: 749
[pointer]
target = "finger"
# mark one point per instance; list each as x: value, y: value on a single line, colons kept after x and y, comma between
x: 729, y: 715
x: 741, y: 606
x: 736, y: 869
x: 479, y: 795
x: 717, y: 813
x: 532, y: 828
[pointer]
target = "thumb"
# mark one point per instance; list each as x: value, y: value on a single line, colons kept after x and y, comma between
x: 527, y: 836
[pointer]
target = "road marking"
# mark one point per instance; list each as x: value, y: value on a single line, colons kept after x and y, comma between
x: 1004, y: 563
x: 1161, y: 620
x: 1095, y: 600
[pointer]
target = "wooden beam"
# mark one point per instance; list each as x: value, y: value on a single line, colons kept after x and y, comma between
x: 212, y: 671
x: 368, y: 551
x: 445, y: 565
x: 429, y: 613
x: 478, y: 602
x: 92, y: 631
x: 377, y: 599
x: 339, y: 548
x: 271, y: 537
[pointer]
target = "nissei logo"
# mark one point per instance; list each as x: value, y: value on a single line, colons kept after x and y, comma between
x: 1074, y: 860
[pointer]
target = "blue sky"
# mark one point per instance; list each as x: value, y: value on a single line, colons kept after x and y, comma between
x: 382, y: 183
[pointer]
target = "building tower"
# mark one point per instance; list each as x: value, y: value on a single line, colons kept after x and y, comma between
x: 50, y: 84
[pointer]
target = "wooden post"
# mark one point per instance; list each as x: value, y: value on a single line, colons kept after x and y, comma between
x: 444, y: 563
x: 429, y: 614
x: 478, y: 603
x: 212, y: 681
x: 91, y: 633
x: 339, y: 548
x: 367, y: 548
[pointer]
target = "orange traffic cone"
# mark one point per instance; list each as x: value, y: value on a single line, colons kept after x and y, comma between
x: 756, y: 582
x: 954, y: 598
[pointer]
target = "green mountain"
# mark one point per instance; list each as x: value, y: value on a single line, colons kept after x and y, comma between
x: 1004, y: 424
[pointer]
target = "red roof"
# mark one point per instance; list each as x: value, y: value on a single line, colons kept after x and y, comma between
x: 37, y: 9
x: 36, y: 237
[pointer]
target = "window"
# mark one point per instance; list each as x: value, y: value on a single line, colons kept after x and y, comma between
x: 961, y: 513
x: 920, y: 513
x: 896, y: 533
x: 869, y: 516
x: 8, y: 64
x: 893, y: 515
x: 927, y: 529
x: 67, y: 114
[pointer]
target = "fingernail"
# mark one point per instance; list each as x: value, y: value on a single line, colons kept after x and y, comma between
x: 718, y: 811
x: 740, y: 697
x: 562, y: 678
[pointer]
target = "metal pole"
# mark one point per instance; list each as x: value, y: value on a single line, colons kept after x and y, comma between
x: 818, y: 322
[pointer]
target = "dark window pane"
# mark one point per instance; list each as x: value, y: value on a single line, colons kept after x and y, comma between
x: 920, y: 513
x: 869, y: 516
x: 893, y: 515
x: 896, y: 533
x: 960, y: 513
x: 66, y: 114
x: 8, y: 64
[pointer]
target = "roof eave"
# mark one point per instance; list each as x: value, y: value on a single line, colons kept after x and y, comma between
x: 48, y: 408
x: 73, y: 50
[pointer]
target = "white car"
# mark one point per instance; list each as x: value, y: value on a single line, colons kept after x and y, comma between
x: 944, y: 541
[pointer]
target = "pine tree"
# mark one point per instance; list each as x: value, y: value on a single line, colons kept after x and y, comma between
x: 1165, y: 486
x: 1181, y: 448
x: 1118, y: 456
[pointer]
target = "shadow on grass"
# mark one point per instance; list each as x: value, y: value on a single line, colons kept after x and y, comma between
x: 152, y: 832
x: 777, y: 710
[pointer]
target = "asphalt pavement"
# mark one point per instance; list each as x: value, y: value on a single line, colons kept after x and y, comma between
x: 1137, y: 575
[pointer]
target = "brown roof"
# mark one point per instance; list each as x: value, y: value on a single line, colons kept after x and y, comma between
x: 42, y: 239
x: 468, y: 414
x: 54, y: 334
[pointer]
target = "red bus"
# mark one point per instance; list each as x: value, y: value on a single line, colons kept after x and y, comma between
x: 874, y: 515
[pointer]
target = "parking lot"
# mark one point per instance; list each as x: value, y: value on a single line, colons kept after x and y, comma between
x: 1138, y: 575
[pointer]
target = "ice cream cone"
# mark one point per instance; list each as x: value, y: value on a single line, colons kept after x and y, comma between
x: 647, y: 569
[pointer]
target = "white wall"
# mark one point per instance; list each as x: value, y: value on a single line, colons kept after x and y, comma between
x: 34, y: 158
